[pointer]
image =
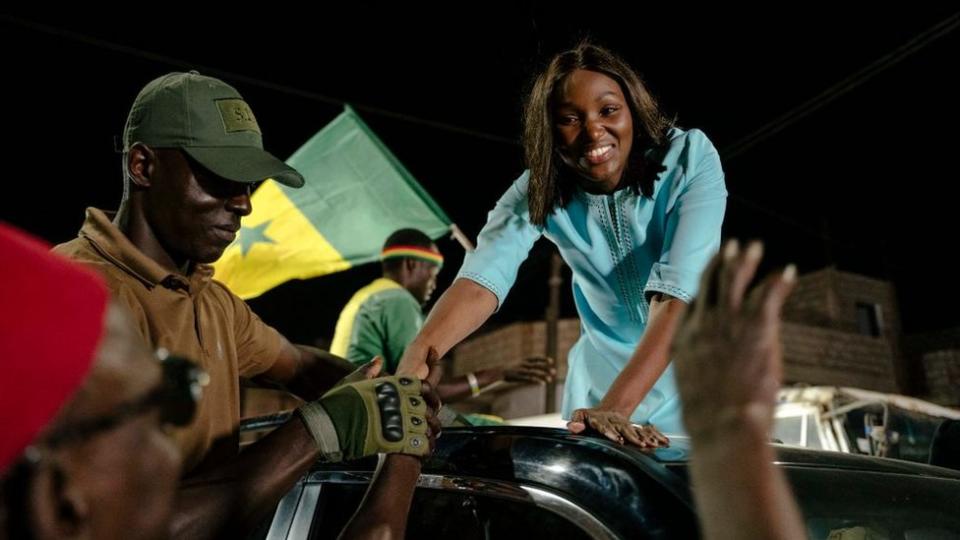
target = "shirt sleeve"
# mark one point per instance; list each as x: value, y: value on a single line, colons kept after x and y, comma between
x: 694, y: 217
x: 258, y: 344
x: 504, y: 242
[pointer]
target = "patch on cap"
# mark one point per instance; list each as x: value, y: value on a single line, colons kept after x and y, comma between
x: 237, y: 116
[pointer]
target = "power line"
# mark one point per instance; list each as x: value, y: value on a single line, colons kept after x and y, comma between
x: 819, y: 101
x: 841, y: 88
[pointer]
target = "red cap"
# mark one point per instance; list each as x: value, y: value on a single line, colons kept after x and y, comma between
x: 51, y: 319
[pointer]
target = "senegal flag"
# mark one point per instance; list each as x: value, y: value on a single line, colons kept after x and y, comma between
x: 356, y: 194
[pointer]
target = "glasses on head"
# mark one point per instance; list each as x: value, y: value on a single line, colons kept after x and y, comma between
x: 176, y: 396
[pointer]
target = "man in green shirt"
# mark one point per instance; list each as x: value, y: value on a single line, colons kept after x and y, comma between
x: 382, y: 318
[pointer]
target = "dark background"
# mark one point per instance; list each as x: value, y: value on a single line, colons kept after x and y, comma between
x: 867, y: 182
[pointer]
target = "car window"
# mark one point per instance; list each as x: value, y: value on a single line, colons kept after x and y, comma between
x: 788, y: 429
x: 843, y: 504
x: 908, y: 435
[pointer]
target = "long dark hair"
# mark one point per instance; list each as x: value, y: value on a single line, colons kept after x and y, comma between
x: 551, y: 182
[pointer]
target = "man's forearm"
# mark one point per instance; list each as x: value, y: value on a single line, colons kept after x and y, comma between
x: 383, y: 513
x: 459, y: 387
x: 231, y: 497
x: 319, y: 370
x: 739, y: 492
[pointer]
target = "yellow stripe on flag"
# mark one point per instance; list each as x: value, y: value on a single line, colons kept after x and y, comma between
x: 276, y: 243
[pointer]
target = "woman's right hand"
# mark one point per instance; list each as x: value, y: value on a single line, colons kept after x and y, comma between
x: 460, y: 310
x: 414, y: 361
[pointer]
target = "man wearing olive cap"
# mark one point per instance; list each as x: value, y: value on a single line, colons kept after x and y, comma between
x: 193, y: 154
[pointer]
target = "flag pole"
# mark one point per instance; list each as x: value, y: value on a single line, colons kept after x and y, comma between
x: 458, y: 235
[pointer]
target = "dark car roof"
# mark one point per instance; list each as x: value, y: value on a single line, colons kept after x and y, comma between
x: 679, y: 451
x: 622, y: 487
x: 482, y: 449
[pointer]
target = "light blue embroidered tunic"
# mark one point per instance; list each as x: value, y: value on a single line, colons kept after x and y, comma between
x: 622, y: 248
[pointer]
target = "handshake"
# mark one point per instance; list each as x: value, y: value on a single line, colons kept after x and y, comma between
x: 364, y: 415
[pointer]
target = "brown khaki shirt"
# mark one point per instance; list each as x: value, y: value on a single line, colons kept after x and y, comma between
x: 192, y: 316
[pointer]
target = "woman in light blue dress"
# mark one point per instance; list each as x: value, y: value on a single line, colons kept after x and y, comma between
x: 634, y: 206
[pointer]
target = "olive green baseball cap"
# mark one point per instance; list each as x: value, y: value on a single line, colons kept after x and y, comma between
x: 209, y: 120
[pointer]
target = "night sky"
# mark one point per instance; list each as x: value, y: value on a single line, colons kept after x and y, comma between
x: 867, y: 182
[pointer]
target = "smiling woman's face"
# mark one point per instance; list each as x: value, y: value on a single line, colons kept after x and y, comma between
x: 594, y: 128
